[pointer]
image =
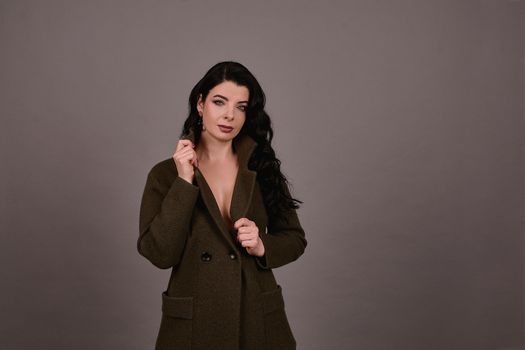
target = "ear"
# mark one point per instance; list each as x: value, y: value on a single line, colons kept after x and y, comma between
x: 200, y: 104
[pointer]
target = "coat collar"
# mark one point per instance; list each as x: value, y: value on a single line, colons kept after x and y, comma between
x: 244, y: 146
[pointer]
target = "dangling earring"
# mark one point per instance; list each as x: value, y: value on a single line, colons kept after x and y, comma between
x: 200, y: 123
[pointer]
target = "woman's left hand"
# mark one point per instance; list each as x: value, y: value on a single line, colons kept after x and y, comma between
x: 248, y: 236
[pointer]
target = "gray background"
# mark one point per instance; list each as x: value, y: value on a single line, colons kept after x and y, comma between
x: 399, y: 124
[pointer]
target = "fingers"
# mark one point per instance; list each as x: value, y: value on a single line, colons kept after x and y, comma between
x: 183, y: 143
x: 247, y: 229
x: 250, y: 243
x: 248, y: 236
x: 185, y: 152
x: 243, y: 222
x: 185, y: 157
x: 248, y: 233
x: 250, y: 240
x: 188, y: 157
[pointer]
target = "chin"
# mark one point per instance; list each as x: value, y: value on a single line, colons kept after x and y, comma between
x: 224, y: 137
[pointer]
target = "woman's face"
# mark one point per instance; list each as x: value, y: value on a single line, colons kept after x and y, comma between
x: 225, y: 105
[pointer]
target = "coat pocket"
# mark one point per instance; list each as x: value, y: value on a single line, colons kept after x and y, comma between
x: 277, y: 331
x: 175, y: 330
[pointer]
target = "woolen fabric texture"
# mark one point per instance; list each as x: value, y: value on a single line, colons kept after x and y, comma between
x: 218, y: 296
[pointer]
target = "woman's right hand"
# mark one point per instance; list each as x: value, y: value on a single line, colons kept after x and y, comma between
x: 185, y: 158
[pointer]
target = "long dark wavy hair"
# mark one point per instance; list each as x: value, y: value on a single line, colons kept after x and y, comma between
x: 273, y: 184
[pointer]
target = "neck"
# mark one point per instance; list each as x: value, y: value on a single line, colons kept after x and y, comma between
x: 212, y: 150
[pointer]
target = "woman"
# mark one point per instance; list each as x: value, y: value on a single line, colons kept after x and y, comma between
x: 220, y: 215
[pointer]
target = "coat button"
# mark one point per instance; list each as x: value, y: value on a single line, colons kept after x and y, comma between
x: 233, y: 256
x: 205, y: 256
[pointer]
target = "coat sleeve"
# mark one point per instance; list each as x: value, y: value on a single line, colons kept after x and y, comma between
x: 283, y: 243
x: 164, y: 223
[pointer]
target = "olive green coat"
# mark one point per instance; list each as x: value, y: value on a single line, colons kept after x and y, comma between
x: 218, y: 296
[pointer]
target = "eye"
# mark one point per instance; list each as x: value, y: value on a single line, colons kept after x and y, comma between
x: 242, y: 108
x: 218, y: 101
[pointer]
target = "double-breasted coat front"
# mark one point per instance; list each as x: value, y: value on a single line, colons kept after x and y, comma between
x: 218, y: 295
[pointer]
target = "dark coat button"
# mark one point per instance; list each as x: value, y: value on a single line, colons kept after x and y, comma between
x: 233, y: 256
x: 205, y: 256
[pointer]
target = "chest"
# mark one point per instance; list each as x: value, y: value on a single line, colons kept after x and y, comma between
x: 221, y: 179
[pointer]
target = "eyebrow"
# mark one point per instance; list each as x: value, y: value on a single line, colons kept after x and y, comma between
x: 227, y: 98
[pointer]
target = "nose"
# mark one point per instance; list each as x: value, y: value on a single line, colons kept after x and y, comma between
x: 229, y: 115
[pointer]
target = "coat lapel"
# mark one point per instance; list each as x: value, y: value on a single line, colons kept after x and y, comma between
x: 242, y: 191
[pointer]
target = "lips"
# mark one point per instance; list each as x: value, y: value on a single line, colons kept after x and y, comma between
x: 226, y: 127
